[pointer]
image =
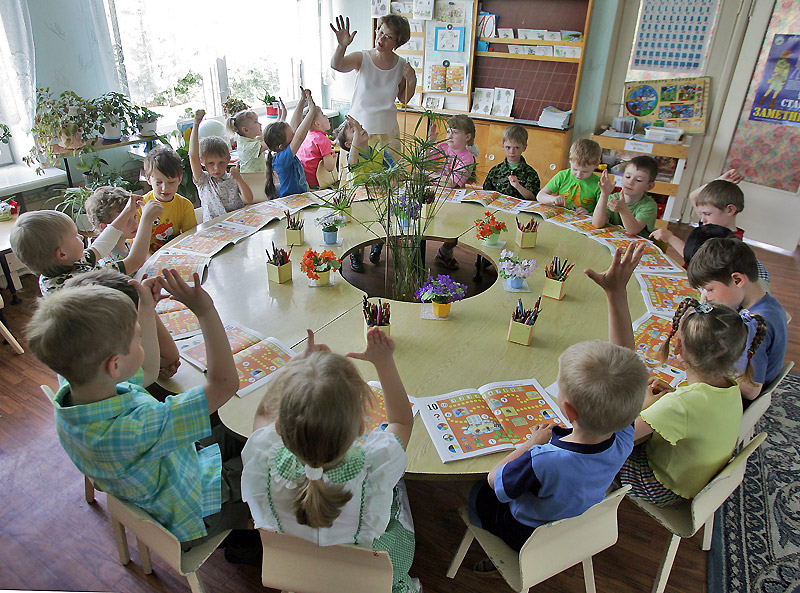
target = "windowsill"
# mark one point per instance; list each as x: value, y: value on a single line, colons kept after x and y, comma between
x: 19, y: 178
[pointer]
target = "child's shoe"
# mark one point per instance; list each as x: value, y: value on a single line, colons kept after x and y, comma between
x: 375, y: 253
x: 446, y: 259
x: 357, y: 261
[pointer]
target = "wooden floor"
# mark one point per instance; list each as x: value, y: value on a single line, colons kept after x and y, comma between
x: 50, y: 539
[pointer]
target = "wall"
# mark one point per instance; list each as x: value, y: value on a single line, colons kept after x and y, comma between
x: 340, y: 86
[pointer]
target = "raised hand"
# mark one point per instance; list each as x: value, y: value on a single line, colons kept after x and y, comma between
x: 194, y: 297
x: 606, y: 183
x: 199, y: 115
x: 312, y: 346
x: 342, y: 31
x: 379, y: 350
x: 732, y: 175
x: 623, y: 263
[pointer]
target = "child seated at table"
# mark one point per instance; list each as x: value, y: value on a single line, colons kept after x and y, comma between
x: 48, y: 243
x: 116, y: 433
x: 700, y: 234
x: 317, y: 148
x: 560, y: 473
x: 577, y: 188
x: 306, y: 473
x: 218, y: 190
x: 250, y: 148
x: 514, y: 177
x: 632, y: 208
x: 283, y: 141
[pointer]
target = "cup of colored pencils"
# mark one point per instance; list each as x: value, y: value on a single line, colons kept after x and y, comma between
x: 556, y: 273
x: 294, y: 229
x: 279, y: 268
x: 520, y: 329
x: 377, y: 316
x: 526, y: 233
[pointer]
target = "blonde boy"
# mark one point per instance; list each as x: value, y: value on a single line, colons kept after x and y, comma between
x: 48, y: 243
x: 164, y: 170
x: 514, y: 177
x: 115, y: 432
x: 577, y: 188
x: 632, y: 208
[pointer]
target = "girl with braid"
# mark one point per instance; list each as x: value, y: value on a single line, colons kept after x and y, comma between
x: 692, y: 430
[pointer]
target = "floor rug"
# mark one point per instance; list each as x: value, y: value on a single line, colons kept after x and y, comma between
x: 756, y: 543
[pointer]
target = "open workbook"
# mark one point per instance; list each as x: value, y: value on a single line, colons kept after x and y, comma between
x: 495, y: 417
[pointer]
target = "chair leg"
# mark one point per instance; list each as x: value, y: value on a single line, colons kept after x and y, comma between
x: 144, y: 557
x: 460, y: 553
x: 708, y: 531
x: 194, y: 582
x: 10, y: 339
x: 588, y: 575
x: 666, y: 565
x: 122, y: 542
x: 88, y: 490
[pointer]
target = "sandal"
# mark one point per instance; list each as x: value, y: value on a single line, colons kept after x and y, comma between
x: 485, y: 567
x: 448, y: 262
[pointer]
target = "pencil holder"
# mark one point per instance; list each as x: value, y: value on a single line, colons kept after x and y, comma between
x: 348, y: 213
x: 279, y: 274
x: 526, y: 240
x: 295, y: 237
x: 520, y: 333
x: 387, y: 329
x: 428, y: 210
x: 553, y: 289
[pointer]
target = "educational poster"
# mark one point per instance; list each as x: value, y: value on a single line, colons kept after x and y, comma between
x: 674, y: 35
x: 777, y: 97
x: 433, y: 103
x: 422, y: 9
x: 503, y: 101
x: 450, y: 12
x: 663, y: 294
x: 486, y: 24
x: 653, y: 259
x: 649, y: 333
x: 379, y: 8
x: 449, y: 39
x: 186, y: 264
x: 447, y: 48
x: 251, y: 217
x: 482, y: 100
x: 440, y: 78
x: 674, y: 103
x: 213, y: 239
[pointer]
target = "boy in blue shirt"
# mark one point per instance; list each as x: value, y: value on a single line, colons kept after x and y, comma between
x: 560, y: 473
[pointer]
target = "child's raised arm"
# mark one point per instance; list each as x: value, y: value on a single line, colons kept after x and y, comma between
x: 666, y: 235
x: 147, y: 325
x: 302, y: 130
x: 244, y: 189
x: 380, y: 352
x: 281, y: 110
x: 297, y: 115
x: 614, y: 281
x: 108, y: 238
x: 732, y: 175
x: 140, y: 249
x: 600, y: 216
x: 194, y: 146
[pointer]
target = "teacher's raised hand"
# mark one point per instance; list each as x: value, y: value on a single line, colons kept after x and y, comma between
x: 342, y: 31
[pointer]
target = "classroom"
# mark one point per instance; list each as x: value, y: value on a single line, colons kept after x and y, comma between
x: 326, y: 225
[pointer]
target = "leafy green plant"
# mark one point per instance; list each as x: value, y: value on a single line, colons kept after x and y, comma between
x: 233, y: 106
x: 115, y: 108
x: 268, y: 99
x: 143, y: 115
x: 71, y: 202
x: 5, y: 134
x: 181, y: 92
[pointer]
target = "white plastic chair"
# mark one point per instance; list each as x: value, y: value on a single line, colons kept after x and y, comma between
x: 198, y: 215
x: 150, y: 535
x: 551, y: 548
x: 759, y: 406
x: 6, y: 334
x: 294, y: 564
x: 686, y: 519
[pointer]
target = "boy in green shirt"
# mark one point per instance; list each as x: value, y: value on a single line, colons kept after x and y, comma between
x: 577, y: 188
x: 631, y: 208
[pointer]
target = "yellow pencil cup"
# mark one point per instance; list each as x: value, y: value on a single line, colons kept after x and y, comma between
x: 295, y: 237
x: 526, y: 240
x: 520, y: 333
x: 387, y: 329
x: 279, y: 274
x: 553, y: 289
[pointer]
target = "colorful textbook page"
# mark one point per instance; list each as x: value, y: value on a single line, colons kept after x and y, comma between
x: 544, y: 210
x: 253, y: 216
x: 663, y: 294
x: 449, y: 194
x: 653, y: 259
x: 567, y: 218
x: 496, y: 200
x: 469, y: 422
x: 297, y: 202
x: 649, y: 333
x: 375, y: 416
x: 256, y: 357
x: 183, y: 262
x: 213, y: 239
x: 179, y: 320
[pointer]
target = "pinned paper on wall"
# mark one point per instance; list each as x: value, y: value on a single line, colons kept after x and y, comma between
x: 447, y: 11
x: 422, y: 9
x: 434, y: 103
x: 440, y: 78
x: 379, y: 8
x: 451, y: 39
x: 416, y: 26
x: 482, y: 100
x: 486, y: 25
x: 503, y: 102
x: 505, y: 33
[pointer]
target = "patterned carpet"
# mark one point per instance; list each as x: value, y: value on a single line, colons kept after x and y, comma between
x: 756, y: 545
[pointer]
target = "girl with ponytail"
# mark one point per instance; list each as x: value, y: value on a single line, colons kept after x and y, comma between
x: 307, y: 471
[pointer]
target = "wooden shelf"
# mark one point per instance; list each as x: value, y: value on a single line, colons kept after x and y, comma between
x: 411, y: 52
x: 512, y: 41
x: 675, y: 151
x: 498, y: 54
x: 659, y: 187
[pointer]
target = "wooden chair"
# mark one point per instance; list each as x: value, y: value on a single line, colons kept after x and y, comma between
x: 7, y: 334
x: 759, y: 406
x: 88, y: 486
x: 551, y: 548
x: 294, y: 564
x: 686, y: 519
x: 150, y: 535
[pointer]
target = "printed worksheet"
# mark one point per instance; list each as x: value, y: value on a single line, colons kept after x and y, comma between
x: 662, y: 294
x: 179, y: 320
x: 544, y: 210
x: 184, y: 262
x: 376, y: 415
x: 649, y: 333
x: 297, y: 202
x: 214, y: 239
x: 653, y: 259
x: 253, y: 216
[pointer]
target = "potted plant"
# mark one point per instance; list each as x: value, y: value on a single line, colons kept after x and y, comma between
x: 441, y: 291
x: 514, y: 269
x: 271, y: 103
x: 115, y: 114
x: 489, y: 228
x: 233, y: 106
x: 406, y: 208
x: 5, y: 134
x: 71, y: 202
x: 147, y: 121
x: 318, y: 266
x: 330, y: 224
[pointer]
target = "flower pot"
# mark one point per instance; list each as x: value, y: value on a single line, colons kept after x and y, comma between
x: 492, y: 239
x: 526, y: 240
x: 387, y: 329
x: 72, y: 140
x: 330, y: 237
x: 148, y: 128
x: 553, y: 289
x: 112, y: 130
x: 279, y: 274
x: 428, y: 210
x: 295, y: 237
x: 272, y: 110
x: 516, y: 281
x: 405, y: 223
x: 441, y: 309
x: 324, y: 278
x: 520, y: 333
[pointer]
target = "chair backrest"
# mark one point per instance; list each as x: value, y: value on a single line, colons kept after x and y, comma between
x: 198, y: 215
x: 48, y: 392
x: 710, y: 498
x: 294, y: 564
x: 554, y: 547
x: 761, y: 404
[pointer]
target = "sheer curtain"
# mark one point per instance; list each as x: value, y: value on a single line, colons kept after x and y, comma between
x: 18, y: 91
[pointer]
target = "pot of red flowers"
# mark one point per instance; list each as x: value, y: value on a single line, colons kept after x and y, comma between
x: 318, y: 266
x: 441, y: 291
x: 489, y: 228
x: 330, y: 224
x: 514, y: 269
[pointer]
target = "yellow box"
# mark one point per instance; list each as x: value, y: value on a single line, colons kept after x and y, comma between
x: 526, y: 240
x: 348, y: 213
x: 387, y: 329
x: 429, y: 210
x: 553, y: 289
x: 295, y: 237
x: 520, y: 333
x: 279, y: 274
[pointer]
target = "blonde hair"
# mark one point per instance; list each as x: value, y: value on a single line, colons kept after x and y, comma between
x: 719, y: 193
x: 714, y: 336
x: 604, y: 382
x: 585, y: 152
x: 321, y: 412
x: 36, y: 237
x: 214, y: 146
x: 517, y: 133
x: 235, y: 122
x: 105, y: 204
x: 98, y: 320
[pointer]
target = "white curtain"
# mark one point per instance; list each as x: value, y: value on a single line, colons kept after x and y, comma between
x: 17, y: 71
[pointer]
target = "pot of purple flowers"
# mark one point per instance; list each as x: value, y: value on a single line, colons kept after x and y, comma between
x: 441, y: 291
x: 514, y: 269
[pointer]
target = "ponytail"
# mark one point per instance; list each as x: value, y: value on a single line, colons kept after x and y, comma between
x: 230, y: 123
x: 318, y: 504
x: 663, y: 352
x: 269, y: 186
x: 758, y: 338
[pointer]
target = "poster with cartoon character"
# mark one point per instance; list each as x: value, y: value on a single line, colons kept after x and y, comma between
x: 777, y: 97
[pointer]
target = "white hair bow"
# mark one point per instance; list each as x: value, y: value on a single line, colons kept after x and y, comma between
x: 313, y: 473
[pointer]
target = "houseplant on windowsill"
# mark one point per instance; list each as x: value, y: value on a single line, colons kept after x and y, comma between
x: 116, y: 115
x: 271, y: 103
x: 58, y: 121
x: 330, y: 224
x: 441, y: 291
x: 514, y: 269
x: 318, y: 266
x: 146, y: 120
x: 489, y: 228
x: 233, y: 106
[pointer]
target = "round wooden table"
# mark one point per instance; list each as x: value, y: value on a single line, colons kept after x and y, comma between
x: 434, y: 357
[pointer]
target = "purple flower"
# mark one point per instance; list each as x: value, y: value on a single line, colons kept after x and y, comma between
x: 441, y: 289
